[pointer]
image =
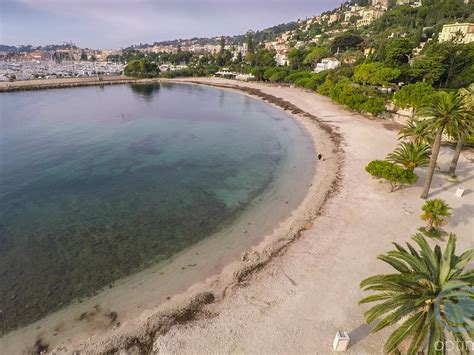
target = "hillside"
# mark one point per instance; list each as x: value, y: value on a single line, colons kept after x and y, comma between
x: 267, y: 34
x: 384, y: 61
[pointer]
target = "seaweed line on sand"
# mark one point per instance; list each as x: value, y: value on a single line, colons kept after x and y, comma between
x: 141, y: 340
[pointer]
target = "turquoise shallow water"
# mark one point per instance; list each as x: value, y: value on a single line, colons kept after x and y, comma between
x: 99, y: 183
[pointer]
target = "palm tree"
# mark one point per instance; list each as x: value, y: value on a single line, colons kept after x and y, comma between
x: 417, y: 130
x: 468, y: 95
x: 411, y: 155
x: 444, y: 109
x: 436, y: 212
x: 418, y: 295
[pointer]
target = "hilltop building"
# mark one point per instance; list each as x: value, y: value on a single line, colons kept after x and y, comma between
x: 333, y: 18
x: 240, y: 48
x: 281, y: 59
x: 451, y: 30
x: 380, y: 3
x: 281, y: 47
x: 369, y: 16
x: 326, y: 64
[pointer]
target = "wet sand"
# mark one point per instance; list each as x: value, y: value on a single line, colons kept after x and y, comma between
x: 298, y: 301
x: 294, y: 290
x: 210, y: 265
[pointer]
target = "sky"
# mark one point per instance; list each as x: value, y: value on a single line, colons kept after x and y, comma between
x: 120, y: 23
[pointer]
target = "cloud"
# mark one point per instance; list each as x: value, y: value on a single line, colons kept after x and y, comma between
x: 117, y: 23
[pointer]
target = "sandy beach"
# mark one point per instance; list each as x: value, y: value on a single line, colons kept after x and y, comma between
x: 208, y: 266
x: 292, y: 291
x: 301, y: 298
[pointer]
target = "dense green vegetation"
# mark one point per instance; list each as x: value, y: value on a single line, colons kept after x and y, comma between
x: 421, y: 139
x: 391, y: 173
x: 141, y: 68
x: 375, y: 59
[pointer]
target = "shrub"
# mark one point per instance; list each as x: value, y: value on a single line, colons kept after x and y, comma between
x: 346, y: 93
x: 141, y: 68
x: 278, y: 77
x: 326, y: 86
x: 311, y: 84
x: 352, y: 95
x: 414, y: 95
x: 269, y: 72
x: 258, y: 72
x: 307, y: 83
x: 275, y: 74
x: 319, y: 78
x: 393, y: 174
x: 375, y: 74
x: 374, y: 105
x: 302, y: 82
x: 295, y: 76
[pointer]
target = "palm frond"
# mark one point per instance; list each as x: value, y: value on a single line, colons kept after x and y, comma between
x: 404, y: 331
x: 411, y: 155
x: 419, y: 335
x: 446, y: 109
x: 461, y: 344
x: 427, y: 280
x: 417, y: 131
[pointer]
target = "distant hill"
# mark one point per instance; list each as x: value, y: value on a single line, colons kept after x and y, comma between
x: 29, y: 48
x: 265, y: 35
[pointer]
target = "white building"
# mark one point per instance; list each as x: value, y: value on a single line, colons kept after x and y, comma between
x: 281, y: 59
x: 466, y: 30
x: 241, y: 48
x: 326, y: 64
x: 369, y: 16
x: 382, y: 3
x: 333, y: 18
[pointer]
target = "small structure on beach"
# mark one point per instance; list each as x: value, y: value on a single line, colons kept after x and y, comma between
x: 245, y: 77
x: 226, y: 74
x: 341, y: 341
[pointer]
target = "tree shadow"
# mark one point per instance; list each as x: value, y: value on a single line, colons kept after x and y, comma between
x: 461, y: 215
x: 359, y: 333
x: 439, y: 190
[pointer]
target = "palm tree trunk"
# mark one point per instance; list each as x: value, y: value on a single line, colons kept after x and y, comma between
x: 457, y: 153
x: 429, y: 226
x: 433, y: 159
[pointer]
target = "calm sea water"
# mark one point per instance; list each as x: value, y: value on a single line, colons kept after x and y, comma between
x: 99, y: 183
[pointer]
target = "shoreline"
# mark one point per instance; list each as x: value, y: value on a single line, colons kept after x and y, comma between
x: 302, y: 297
x: 234, y: 273
x: 294, y: 297
x: 192, y: 304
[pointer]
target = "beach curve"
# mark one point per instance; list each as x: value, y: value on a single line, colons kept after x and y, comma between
x: 191, y: 305
x: 304, y: 292
x: 234, y: 274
